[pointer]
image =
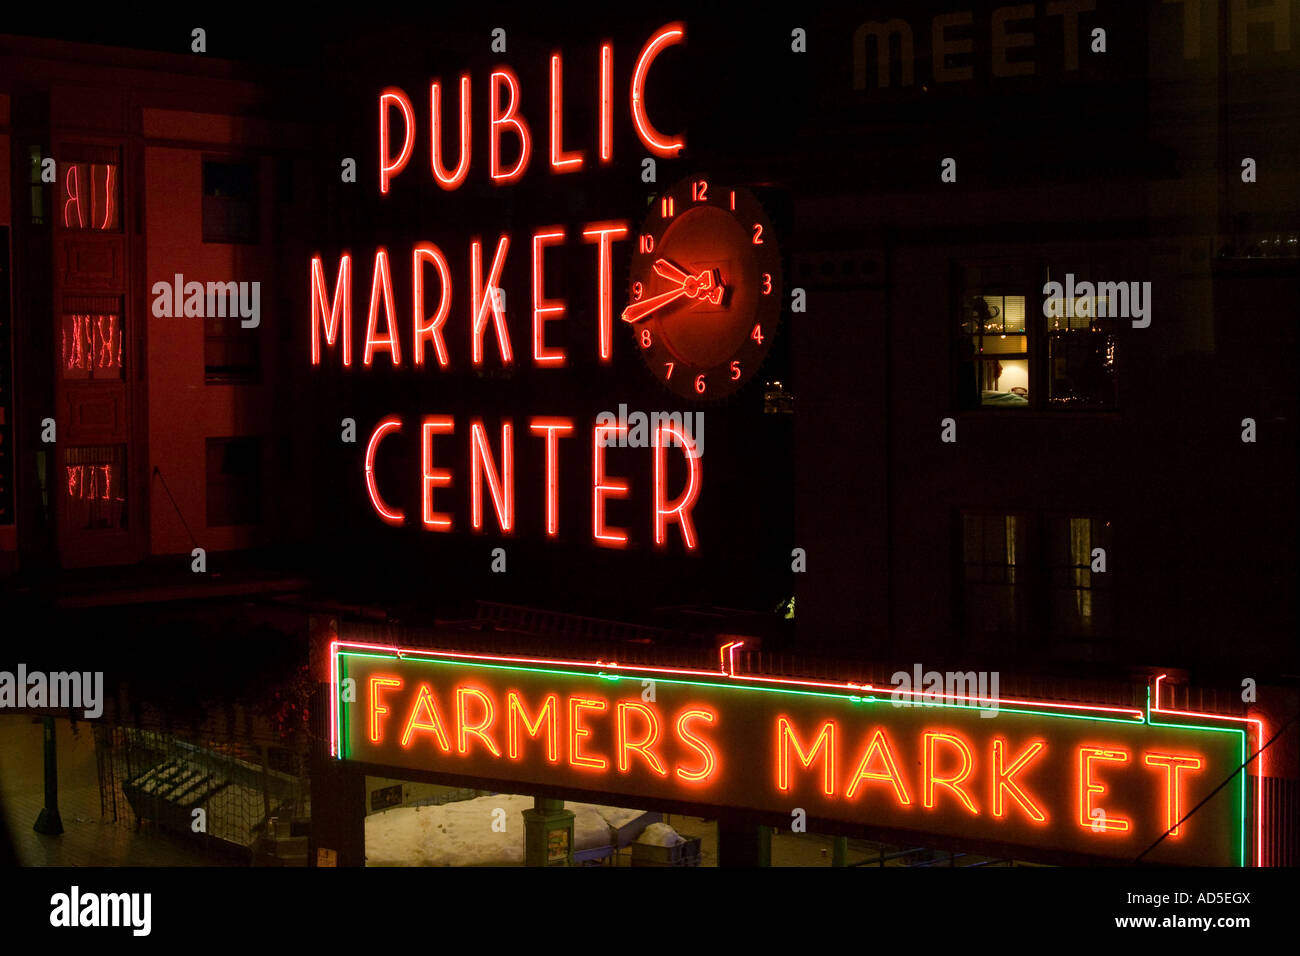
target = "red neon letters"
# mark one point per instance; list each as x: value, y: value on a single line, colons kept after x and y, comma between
x: 509, y: 131
x: 544, y: 309
x: 331, y: 310
x: 655, y: 141
x: 507, y: 117
x: 495, y: 470
x: 453, y: 178
x: 389, y: 165
x: 1109, y: 786
x: 806, y: 760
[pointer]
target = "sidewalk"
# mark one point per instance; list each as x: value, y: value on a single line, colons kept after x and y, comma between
x: 87, y: 839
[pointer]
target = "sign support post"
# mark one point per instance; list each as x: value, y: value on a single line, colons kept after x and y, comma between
x: 840, y: 852
x: 548, y: 834
x: 49, y: 822
x: 742, y: 843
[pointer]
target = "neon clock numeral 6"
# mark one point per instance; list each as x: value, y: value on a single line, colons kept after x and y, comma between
x: 700, y: 386
x: 758, y: 234
x: 647, y: 339
x: 735, y: 370
x: 669, y: 366
x: 757, y: 334
x: 767, y: 283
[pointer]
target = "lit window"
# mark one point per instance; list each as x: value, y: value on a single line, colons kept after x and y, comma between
x: 777, y: 399
x: 91, y: 345
x: 90, y: 195
x: 999, y: 348
x: 1081, y: 596
x: 91, y: 337
x: 95, y: 487
x: 1010, y: 354
x: 1081, y: 351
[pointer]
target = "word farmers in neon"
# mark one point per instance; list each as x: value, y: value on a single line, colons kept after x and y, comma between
x: 585, y: 731
x: 510, y: 135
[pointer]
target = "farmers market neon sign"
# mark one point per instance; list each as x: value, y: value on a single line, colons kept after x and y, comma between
x: 1086, y: 779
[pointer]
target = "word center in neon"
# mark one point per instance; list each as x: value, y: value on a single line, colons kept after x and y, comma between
x: 495, y: 471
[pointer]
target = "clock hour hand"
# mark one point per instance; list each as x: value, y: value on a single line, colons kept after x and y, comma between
x: 670, y: 271
x: 703, y: 286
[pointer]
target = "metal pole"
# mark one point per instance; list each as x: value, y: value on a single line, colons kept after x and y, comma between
x: 840, y: 852
x: 49, y: 821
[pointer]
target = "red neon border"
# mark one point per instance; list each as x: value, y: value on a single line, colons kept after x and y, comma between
x: 726, y: 669
x: 1259, y: 749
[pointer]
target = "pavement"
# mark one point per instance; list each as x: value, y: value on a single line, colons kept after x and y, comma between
x: 89, y: 839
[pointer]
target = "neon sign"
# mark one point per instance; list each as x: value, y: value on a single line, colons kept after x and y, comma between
x: 89, y: 196
x: 509, y: 130
x: 409, y: 319
x: 1083, y: 779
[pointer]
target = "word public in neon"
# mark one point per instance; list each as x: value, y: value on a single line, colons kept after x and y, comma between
x: 511, y: 137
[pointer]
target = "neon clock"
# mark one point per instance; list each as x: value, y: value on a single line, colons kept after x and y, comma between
x: 704, y: 288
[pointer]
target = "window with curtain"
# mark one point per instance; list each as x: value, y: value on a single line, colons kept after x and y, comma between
x: 1044, y: 577
x: 95, y: 486
x: 991, y: 557
x: 1080, y: 601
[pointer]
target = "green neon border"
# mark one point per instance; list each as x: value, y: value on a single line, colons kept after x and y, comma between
x: 1149, y: 720
x: 1241, y: 769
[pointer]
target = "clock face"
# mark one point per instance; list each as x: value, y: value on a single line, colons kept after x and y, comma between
x: 704, y: 288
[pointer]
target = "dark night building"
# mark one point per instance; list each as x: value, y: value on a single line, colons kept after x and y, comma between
x: 987, y: 317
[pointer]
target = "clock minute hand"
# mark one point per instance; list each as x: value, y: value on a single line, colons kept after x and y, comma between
x: 640, y: 310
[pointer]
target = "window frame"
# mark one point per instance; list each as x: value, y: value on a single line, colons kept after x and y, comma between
x: 1038, y: 337
x: 86, y: 152
x: 1037, y: 627
x: 231, y: 159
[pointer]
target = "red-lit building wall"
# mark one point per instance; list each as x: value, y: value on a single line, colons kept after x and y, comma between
x: 133, y: 395
x: 8, y: 527
x: 184, y: 409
